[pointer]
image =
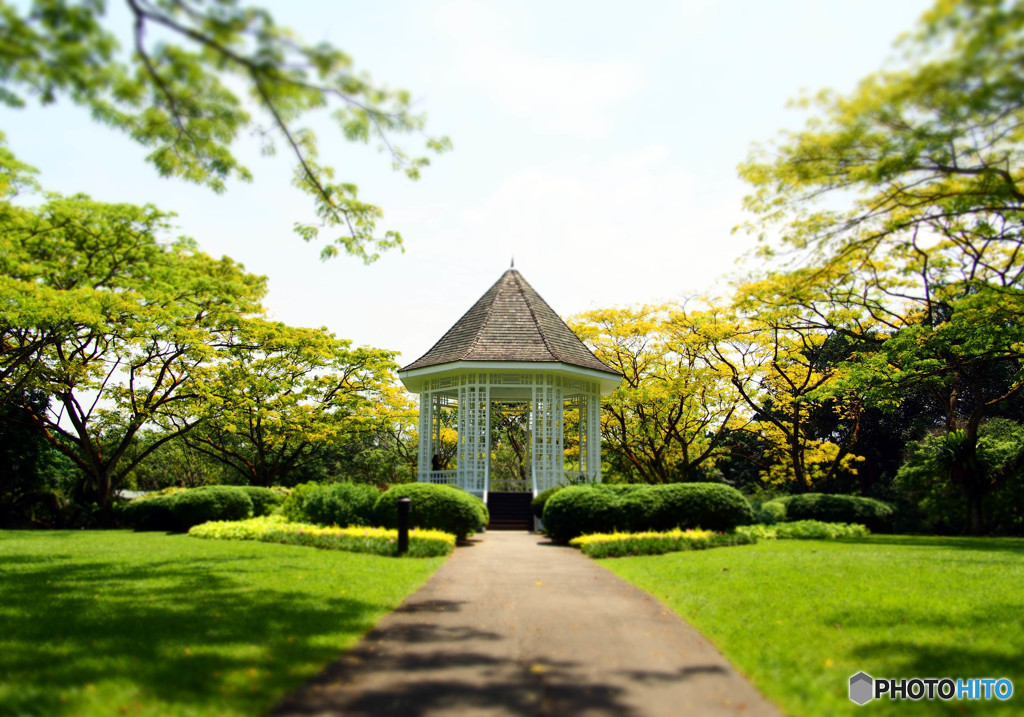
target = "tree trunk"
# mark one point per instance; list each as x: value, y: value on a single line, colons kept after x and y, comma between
x: 975, y: 524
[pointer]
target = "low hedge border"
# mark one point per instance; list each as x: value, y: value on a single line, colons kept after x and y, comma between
x: 805, y: 530
x: 620, y: 545
x: 376, y: 541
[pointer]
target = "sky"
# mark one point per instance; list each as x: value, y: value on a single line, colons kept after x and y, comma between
x: 595, y: 145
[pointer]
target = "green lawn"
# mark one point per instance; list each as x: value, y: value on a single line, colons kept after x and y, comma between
x: 800, y: 617
x: 108, y: 623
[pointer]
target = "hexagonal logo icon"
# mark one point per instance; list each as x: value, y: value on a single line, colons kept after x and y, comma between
x: 862, y: 688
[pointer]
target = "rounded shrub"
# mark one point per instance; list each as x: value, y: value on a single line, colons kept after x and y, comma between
x: 537, y: 504
x: 580, y: 510
x: 341, y: 504
x: 875, y: 514
x: 214, y: 502
x: 770, y: 513
x: 264, y: 500
x: 148, y: 513
x: 711, y: 506
x: 434, y: 506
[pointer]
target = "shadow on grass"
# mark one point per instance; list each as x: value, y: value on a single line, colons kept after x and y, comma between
x: 914, y: 640
x: 188, y: 633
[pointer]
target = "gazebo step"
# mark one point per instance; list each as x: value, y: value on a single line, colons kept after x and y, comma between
x: 510, y: 511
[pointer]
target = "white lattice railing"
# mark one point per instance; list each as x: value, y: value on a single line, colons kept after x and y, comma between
x: 446, y: 477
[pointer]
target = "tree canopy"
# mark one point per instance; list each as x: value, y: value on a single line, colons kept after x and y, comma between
x: 195, y: 76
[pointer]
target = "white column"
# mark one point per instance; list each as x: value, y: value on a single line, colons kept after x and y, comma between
x: 426, y: 434
x: 594, y: 433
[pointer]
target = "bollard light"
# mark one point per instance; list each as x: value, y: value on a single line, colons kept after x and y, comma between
x: 404, y: 504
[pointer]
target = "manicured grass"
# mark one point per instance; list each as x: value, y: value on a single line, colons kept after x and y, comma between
x: 800, y: 617
x: 113, y: 622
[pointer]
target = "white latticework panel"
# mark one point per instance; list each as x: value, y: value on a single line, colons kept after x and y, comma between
x: 547, y: 434
x: 473, y: 427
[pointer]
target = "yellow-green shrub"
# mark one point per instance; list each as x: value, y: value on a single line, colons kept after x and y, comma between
x: 378, y: 541
x: 617, y: 545
x: 804, y: 530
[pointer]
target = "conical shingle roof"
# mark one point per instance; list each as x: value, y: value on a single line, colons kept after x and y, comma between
x: 511, y: 322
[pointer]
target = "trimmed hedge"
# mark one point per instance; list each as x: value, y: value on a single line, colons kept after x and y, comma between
x: 341, y: 504
x: 264, y: 500
x: 770, y: 513
x: 434, y: 506
x: 875, y: 514
x: 181, y: 510
x: 579, y: 510
x: 537, y: 504
x: 213, y: 502
x: 148, y: 513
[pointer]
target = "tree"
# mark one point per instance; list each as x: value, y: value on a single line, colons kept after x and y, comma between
x: 936, y: 467
x: 196, y: 74
x: 669, y: 418
x: 902, y: 206
x: 116, y: 327
x: 778, y: 366
x: 278, y: 393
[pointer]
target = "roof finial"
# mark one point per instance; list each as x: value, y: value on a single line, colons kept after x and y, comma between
x: 513, y: 265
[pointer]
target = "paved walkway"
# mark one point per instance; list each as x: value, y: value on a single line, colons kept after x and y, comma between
x: 512, y: 625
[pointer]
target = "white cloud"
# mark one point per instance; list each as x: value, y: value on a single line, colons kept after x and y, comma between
x: 630, y: 229
x: 553, y: 95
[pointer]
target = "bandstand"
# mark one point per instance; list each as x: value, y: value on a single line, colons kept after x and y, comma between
x: 509, y: 353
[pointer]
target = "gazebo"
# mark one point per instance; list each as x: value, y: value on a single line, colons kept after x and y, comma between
x: 509, y: 352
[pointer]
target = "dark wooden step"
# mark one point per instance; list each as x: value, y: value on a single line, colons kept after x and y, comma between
x: 510, y: 511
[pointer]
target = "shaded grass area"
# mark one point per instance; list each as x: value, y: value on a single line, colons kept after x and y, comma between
x: 800, y: 617
x: 113, y: 622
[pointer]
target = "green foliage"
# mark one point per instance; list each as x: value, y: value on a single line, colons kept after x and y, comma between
x: 875, y: 514
x: 579, y: 510
x: 618, y: 545
x: 434, y: 506
x: 264, y: 500
x: 341, y: 504
x: 187, y: 89
x: 804, y: 530
x: 541, y: 499
x: 376, y: 541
